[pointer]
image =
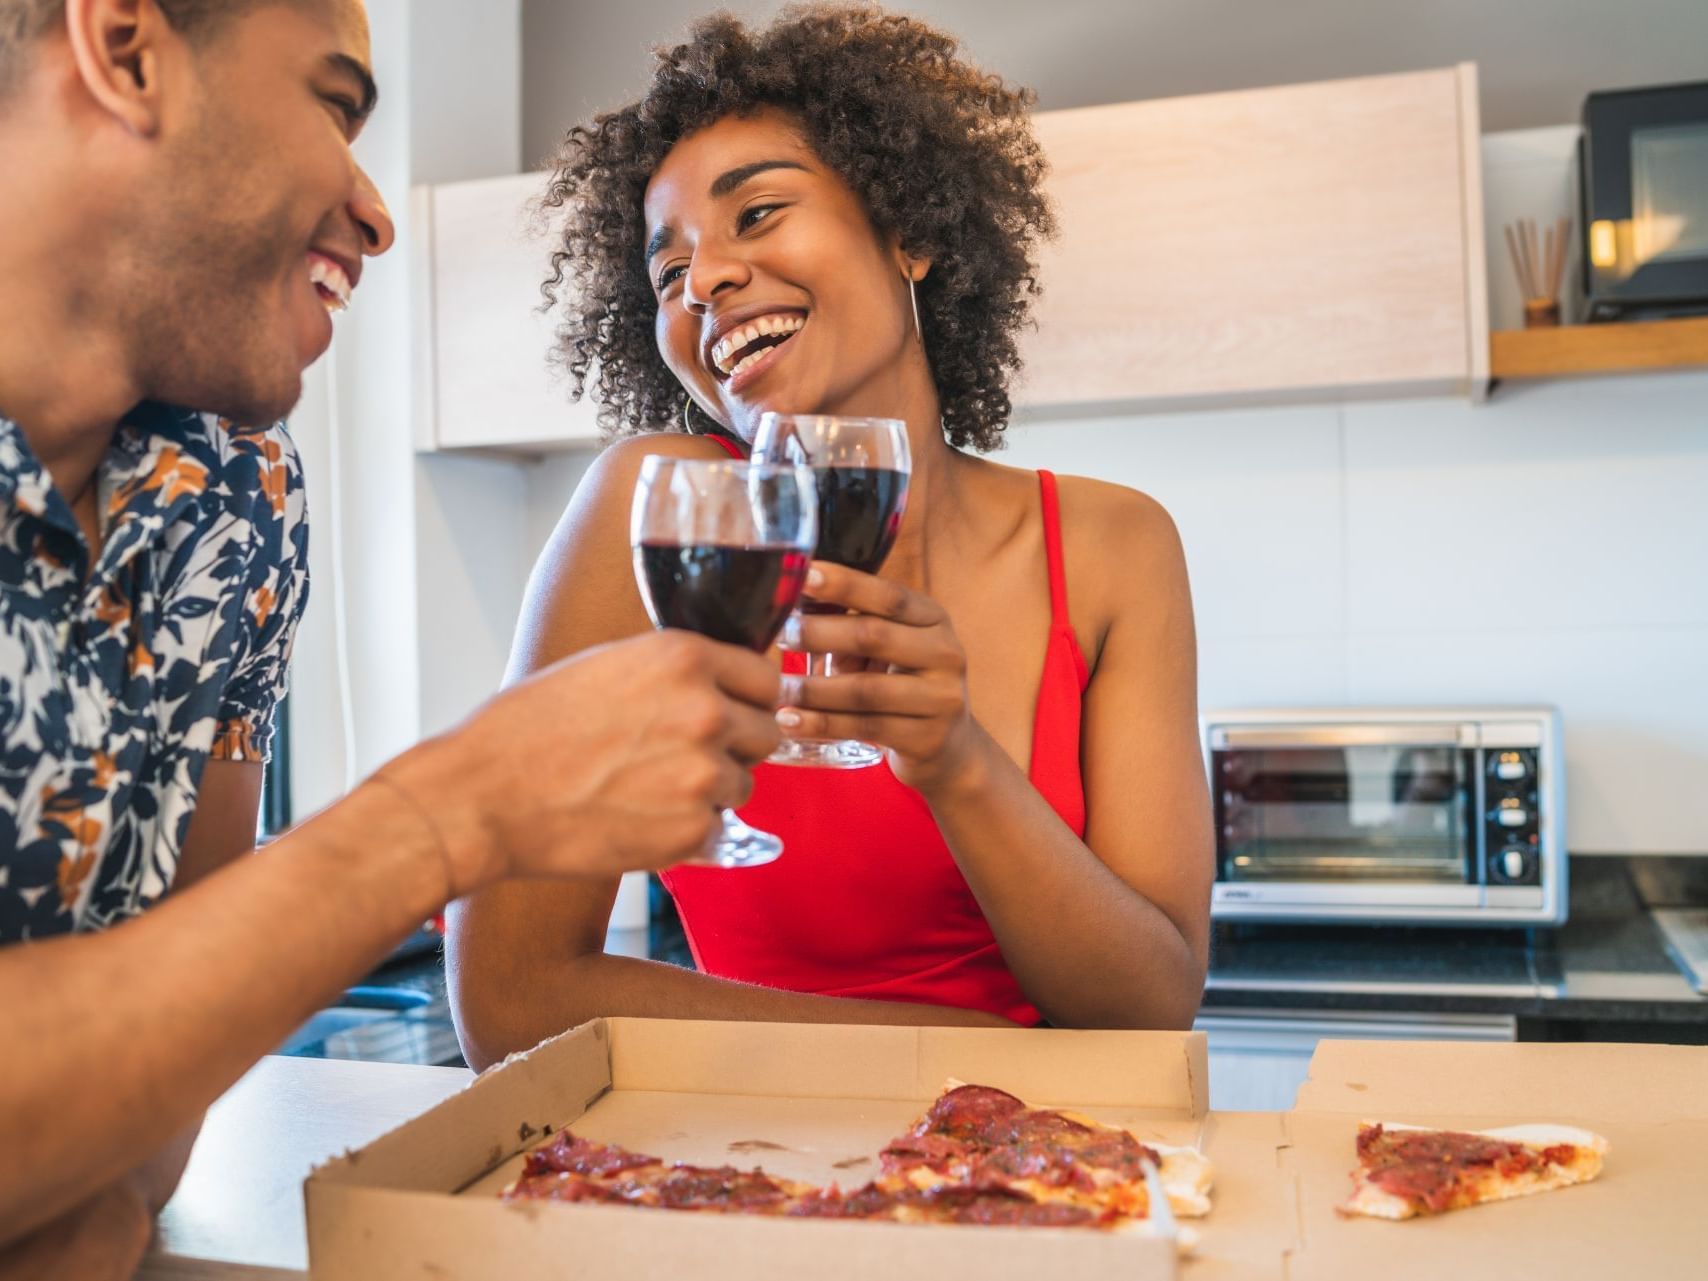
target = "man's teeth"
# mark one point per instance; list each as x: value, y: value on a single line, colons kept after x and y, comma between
x: 332, y: 280
x: 736, y: 339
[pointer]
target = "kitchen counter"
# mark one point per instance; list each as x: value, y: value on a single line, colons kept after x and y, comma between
x: 238, y: 1212
x: 1605, y: 975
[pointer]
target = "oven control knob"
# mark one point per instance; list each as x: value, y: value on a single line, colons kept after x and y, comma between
x: 1514, y: 863
x: 1510, y: 767
x: 1512, y: 816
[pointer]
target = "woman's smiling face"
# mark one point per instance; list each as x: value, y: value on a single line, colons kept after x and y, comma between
x: 774, y: 290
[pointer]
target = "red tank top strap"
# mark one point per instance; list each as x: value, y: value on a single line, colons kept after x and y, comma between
x: 1053, y: 549
x: 1061, y: 623
x: 734, y: 450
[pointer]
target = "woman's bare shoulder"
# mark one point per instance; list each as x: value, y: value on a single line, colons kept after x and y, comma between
x: 1103, y: 511
x: 605, y: 489
x: 1121, y: 546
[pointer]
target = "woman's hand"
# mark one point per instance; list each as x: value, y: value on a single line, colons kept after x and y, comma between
x: 900, y: 679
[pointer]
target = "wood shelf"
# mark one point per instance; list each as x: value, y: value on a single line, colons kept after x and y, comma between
x: 1599, y: 349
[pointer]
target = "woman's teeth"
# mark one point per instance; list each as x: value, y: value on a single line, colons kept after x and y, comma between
x: 730, y: 354
x: 334, y: 285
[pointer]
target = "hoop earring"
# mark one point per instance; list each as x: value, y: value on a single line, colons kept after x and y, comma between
x: 913, y: 297
x: 687, y: 415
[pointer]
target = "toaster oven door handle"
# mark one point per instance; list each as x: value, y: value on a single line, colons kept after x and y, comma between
x: 1341, y: 736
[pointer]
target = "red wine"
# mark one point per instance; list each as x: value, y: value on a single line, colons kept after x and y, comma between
x: 859, y: 514
x: 738, y: 595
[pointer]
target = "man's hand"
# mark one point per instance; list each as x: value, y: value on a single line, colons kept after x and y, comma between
x: 615, y: 760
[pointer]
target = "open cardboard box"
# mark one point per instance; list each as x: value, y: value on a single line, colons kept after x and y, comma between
x: 1645, y: 1217
x: 817, y: 1103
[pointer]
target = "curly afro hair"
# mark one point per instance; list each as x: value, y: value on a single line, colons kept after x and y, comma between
x: 941, y: 154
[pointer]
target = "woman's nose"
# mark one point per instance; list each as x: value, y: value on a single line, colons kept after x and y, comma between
x: 711, y: 273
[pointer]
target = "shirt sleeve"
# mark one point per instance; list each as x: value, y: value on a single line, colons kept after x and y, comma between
x: 274, y: 594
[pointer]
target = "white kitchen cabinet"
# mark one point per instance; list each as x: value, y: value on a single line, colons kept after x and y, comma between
x: 1307, y: 242
x: 483, y: 376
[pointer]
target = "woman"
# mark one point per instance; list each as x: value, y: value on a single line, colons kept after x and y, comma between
x: 1038, y: 846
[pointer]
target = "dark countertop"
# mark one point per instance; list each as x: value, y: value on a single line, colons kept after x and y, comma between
x: 1607, y: 965
x: 1604, y: 976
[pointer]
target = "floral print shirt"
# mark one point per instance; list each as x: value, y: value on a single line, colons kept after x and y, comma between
x: 120, y: 679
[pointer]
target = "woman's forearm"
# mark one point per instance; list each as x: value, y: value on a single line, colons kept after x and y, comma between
x: 1087, y: 948
x: 493, y: 1023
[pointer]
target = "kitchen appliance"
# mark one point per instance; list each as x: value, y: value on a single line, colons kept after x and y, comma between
x: 1442, y: 816
x: 1644, y: 164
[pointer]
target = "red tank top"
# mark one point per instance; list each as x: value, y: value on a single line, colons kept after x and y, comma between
x: 866, y: 900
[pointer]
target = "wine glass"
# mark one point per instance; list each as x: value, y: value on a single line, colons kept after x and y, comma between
x: 861, y: 466
x: 722, y: 549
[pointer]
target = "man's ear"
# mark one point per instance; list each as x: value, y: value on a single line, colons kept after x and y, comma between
x: 117, y: 46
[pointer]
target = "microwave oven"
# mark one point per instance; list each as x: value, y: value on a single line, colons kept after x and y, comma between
x: 1443, y: 816
x: 1643, y: 163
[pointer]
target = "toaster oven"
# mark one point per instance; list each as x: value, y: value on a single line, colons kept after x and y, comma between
x: 1447, y: 816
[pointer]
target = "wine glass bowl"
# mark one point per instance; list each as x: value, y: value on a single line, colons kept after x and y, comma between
x: 722, y: 549
x: 860, y: 468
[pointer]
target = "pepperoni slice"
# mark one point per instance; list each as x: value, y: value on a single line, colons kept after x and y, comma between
x: 1432, y: 1167
x: 933, y: 1151
x: 567, y: 1154
x: 688, y: 1187
x: 868, y: 1202
x: 975, y: 1113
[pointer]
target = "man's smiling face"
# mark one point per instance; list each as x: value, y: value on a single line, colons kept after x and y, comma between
x: 263, y: 216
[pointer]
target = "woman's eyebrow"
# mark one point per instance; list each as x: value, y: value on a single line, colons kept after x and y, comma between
x: 725, y: 183
x: 721, y: 186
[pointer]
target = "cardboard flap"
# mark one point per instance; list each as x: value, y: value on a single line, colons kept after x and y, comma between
x: 1513, y: 1081
x: 1161, y: 1071
x: 1641, y: 1218
x: 498, y: 1114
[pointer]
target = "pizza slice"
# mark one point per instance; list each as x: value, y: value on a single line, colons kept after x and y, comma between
x: 978, y: 1137
x: 569, y: 1168
x: 977, y: 1156
x: 576, y: 1169
x: 1404, y: 1170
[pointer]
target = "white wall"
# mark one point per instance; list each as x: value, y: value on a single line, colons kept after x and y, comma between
x: 1549, y: 546
x: 433, y: 550
x: 472, y: 546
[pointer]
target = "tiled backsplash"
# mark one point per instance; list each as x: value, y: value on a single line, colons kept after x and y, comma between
x: 1551, y: 545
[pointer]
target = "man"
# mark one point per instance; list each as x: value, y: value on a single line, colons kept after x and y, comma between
x: 179, y: 213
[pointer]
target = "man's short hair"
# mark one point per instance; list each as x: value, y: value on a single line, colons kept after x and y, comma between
x: 22, y: 22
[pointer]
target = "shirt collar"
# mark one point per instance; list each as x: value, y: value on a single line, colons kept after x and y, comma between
x: 161, y: 461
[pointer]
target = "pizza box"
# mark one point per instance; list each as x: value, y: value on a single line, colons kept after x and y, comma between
x: 815, y: 1103
x: 1645, y: 1216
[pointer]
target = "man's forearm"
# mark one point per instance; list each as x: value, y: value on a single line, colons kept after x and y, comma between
x: 123, y: 1038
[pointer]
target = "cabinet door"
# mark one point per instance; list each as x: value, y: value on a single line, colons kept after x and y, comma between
x: 486, y: 376
x: 1308, y: 241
